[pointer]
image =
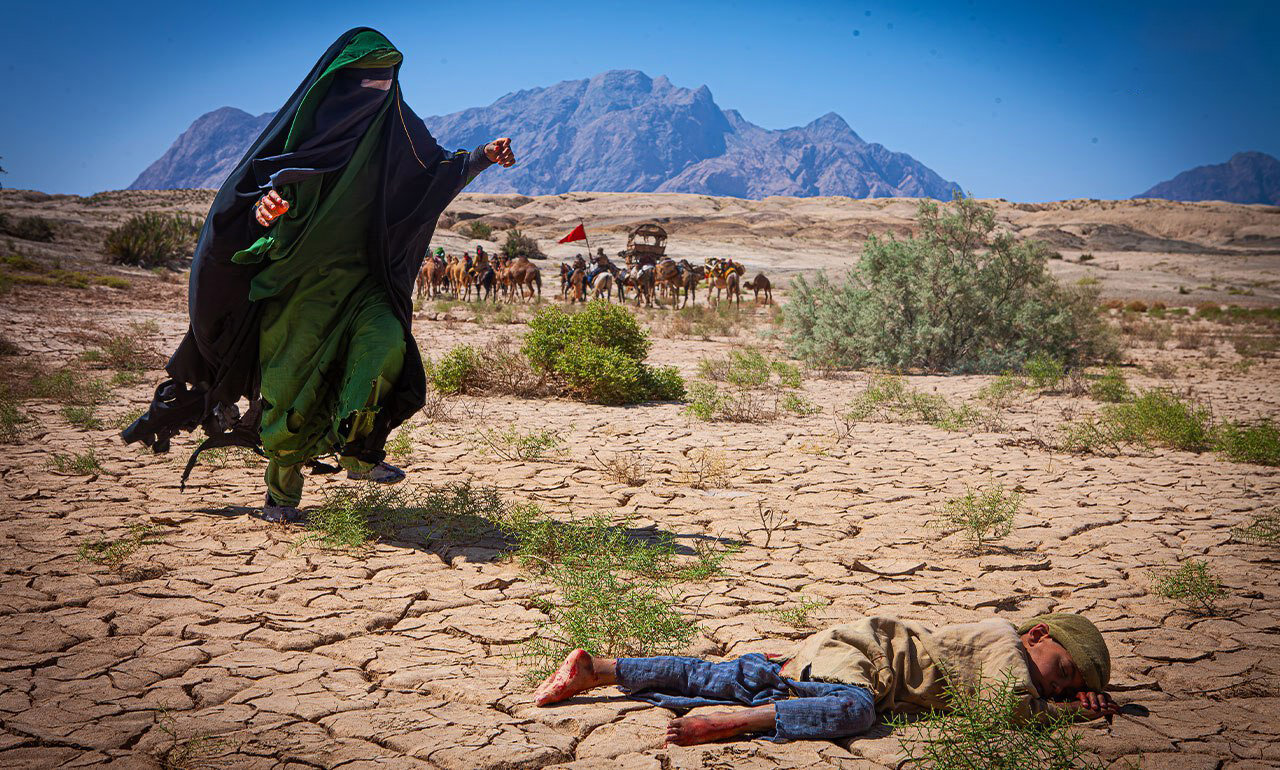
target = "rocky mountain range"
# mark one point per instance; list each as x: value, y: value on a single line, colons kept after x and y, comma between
x: 620, y: 131
x: 1249, y: 177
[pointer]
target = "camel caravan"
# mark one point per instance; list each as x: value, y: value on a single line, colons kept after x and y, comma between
x: 646, y: 272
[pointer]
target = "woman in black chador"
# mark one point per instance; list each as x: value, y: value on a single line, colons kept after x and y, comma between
x: 300, y: 295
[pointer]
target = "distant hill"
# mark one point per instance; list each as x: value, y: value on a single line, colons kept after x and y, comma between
x: 620, y: 131
x: 1249, y: 177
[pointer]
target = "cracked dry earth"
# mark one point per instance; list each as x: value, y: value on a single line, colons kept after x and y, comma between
x: 228, y: 644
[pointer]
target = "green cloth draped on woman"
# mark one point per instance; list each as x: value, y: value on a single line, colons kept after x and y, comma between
x: 325, y: 280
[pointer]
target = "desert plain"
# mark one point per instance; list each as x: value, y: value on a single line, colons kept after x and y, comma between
x: 226, y: 641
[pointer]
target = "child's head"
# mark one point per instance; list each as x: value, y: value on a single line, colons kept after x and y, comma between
x: 1067, y: 654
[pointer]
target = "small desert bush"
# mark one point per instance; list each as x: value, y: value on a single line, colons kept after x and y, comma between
x: 83, y: 464
x: 1110, y: 388
x: 1156, y: 417
x: 518, y: 244
x: 1192, y: 584
x: 958, y: 297
x: 706, y: 469
x: 114, y: 553
x: 68, y: 387
x: 400, y: 446
x: 983, y: 727
x: 496, y: 369
x: 618, y: 594
x: 982, y: 515
x: 747, y: 386
x: 478, y: 230
x: 516, y: 445
x: 1045, y: 372
x: 1258, y: 443
x: 888, y: 398
x: 154, y: 240
x: 598, y: 353
x: 33, y: 228
x: 1264, y: 529
x: 629, y: 467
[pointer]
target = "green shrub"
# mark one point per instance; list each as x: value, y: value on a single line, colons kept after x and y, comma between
x: 513, y: 444
x: 497, y: 369
x: 1044, y: 371
x: 154, y: 240
x: 957, y: 297
x: 599, y: 354
x: 888, y: 398
x: 1110, y: 388
x: 982, y: 515
x: 1156, y: 417
x: 983, y: 727
x: 478, y: 230
x: 31, y: 228
x: 797, y: 615
x: 518, y: 244
x: 1258, y: 443
x: 452, y: 372
x: 1192, y: 584
x: 127, y: 349
x: 350, y: 518
x: 746, y: 386
x: 1264, y: 529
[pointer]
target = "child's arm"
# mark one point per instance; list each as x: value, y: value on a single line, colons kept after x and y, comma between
x: 1086, y: 706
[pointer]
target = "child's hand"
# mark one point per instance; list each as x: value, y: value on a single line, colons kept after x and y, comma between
x: 499, y: 151
x: 269, y: 208
x: 1098, y: 702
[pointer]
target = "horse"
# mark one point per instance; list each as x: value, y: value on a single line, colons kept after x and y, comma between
x: 721, y: 269
x: 760, y: 284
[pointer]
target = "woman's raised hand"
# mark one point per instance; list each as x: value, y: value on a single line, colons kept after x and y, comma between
x: 499, y: 151
x: 269, y: 208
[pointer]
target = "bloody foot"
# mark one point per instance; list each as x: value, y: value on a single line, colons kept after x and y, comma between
x: 578, y: 673
x: 690, y: 731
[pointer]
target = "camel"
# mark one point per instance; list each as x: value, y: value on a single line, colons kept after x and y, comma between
x: 460, y: 276
x: 640, y: 278
x: 525, y: 275
x: 721, y: 270
x: 430, y: 277
x: 760, y: 284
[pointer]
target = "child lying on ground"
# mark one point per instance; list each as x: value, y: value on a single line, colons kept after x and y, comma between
x: 840, y: 680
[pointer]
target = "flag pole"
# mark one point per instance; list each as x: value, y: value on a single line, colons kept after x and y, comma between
x: 585, y: 238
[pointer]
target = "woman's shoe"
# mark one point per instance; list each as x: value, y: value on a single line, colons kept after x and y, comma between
x: 382, y: 473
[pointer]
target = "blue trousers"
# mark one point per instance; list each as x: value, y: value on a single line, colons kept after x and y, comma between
x: 818, y: 710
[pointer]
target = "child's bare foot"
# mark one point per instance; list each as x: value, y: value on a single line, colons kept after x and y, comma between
x: 575, y: 675
x: 690, y: 731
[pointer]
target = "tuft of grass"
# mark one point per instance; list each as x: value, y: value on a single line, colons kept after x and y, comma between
x: 127, y: 350
x: 983, y: 727
x: 629, y: 468
x: 83, y: 464
x: 351, y: 518
x: 982, y: 515
x: 1192, y: 584
x: 797, y: 615
x: 82, y: 417
x: 1263, y: 530
x: 114, y: 553
x: 68, y: 387
x: 497, y: 369
x: 513, y: 444
x: 13, y: 420
x: 1258, y: 443
x: 479, y: 230
x: 1110, y: 388
x: 706, y: 469
x: 401, y: 444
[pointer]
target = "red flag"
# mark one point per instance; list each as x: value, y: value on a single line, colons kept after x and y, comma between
x: 578, y: 234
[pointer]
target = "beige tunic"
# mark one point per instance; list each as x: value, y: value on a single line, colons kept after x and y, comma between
x: 907, y: 666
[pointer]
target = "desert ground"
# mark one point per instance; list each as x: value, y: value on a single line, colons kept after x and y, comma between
x: 226, y: 641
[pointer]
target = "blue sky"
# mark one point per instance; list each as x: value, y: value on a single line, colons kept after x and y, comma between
x: 1026, y: 101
